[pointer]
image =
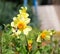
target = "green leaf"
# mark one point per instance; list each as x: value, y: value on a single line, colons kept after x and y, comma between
x: 37, y: 52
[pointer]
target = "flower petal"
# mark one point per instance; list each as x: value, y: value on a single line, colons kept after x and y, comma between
x: 12, y: 24
x: 24, y: 7
x: 27, y: 20
x: 47, y: 37
x: 14, y: 18
x: 38, y: 39
x: 18, y: 32
x: 13, y: 30
x: 26, y: 30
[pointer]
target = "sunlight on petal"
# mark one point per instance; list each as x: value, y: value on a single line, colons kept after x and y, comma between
x: 26, y: 31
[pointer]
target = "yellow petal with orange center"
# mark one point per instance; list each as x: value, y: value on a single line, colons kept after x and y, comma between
x: 21, y: 25
x: 43, y: 35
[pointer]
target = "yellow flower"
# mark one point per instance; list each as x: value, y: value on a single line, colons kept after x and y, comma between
x: 46, y: 34
x: 21, y: 27
x: 21, y: 22
x: 29, y: 45
x: 23, y: 13
x: 23, y: 10
x: 17, y: 19
x: 30, y: 42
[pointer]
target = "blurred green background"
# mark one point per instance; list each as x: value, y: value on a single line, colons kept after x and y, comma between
x: 8, y: 9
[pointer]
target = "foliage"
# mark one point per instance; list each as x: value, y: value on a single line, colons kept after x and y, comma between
x: 17, y: 39
x: 6, y: 12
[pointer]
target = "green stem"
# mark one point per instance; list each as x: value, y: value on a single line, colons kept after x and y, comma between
x: 51, y: 44
x: 27, y: 44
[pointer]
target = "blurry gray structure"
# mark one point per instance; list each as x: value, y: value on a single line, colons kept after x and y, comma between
x: 56, y: 2
x: 47, y: 2
x: 49, y: 17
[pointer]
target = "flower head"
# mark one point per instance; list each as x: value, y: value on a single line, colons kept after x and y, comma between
x: 23, y: 13
x: 23, y: 10
x: 45, y: 35
x: 30, y: 44
x: 20, y: 23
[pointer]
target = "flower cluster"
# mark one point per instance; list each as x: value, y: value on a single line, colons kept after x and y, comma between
x: 20, y: 23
